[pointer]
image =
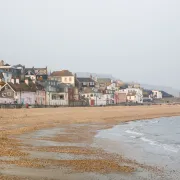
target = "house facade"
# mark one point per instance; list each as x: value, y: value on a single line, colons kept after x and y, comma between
x: 73, y: 94
x: 40, y: 95
x: 21, y: 93
x: 112, y: 87
x: 102, y: 83
x: 120, y: 97
x: 157, y: 94
x: 56, y: 93
x: 63, y: 76
x: 11, y: 71
x: 57, y: 99
x: 7, y: 95
x: 96, y: 98
x: 7, y: 76
x: 36, y: 74
x: 134, y: 95
x: 84, y: 82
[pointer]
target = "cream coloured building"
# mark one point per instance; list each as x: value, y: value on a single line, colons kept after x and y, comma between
x: 63, y: 76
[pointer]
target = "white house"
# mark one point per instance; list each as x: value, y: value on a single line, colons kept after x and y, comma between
x: 57, y: 98
x: 96, y: 98
x: 157, y: 94
x: 56, y: 93
x: 112, y: 86
x: 134, y: 95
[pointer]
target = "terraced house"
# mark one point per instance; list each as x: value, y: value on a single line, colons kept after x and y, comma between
x: 36, y: 74
x: 25, y: 92
x: 63, y: 76
x: 82, y: 82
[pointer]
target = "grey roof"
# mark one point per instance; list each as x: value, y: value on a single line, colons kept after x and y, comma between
x: 104, y: 80
x: 23, y: 87
x: 85, y: 80
x: 88, y: 90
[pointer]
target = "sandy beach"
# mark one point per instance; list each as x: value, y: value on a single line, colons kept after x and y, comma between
x: 57, y: 143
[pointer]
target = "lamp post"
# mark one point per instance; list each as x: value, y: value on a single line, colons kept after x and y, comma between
x: 96, y: 99
x: 49, y: 93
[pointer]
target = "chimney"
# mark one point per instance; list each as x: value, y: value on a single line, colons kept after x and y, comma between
x: 17, y: 80
x: 27, y: 81
x: 12, y: 80
x: 2, y: 63
x: 75, y: 75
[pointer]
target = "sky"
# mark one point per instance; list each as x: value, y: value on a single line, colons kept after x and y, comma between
x: 134, y: 40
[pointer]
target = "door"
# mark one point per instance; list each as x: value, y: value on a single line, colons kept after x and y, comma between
x: 92, y: 102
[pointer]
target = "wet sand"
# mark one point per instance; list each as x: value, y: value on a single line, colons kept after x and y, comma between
x: 57, y: 143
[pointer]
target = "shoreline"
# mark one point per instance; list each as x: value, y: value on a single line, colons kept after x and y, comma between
x: 86, y: 123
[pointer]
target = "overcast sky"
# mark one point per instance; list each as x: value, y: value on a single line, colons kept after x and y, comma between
x: 135, y: 40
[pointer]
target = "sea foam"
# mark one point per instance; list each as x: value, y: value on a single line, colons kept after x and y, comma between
x: 134, y: 132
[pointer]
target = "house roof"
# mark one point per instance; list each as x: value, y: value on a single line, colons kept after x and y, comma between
x: 29, y: 69
x: 104, y: 80
x: 62, y: 73
x: 24, y: 87
x: 19, y: 65
x: 7, y: 65
x: 88, y: 90
x: 85, y: 80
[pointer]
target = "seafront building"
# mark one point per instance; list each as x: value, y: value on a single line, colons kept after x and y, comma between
x: 36, y: 86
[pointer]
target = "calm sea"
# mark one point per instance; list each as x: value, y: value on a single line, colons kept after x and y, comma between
x: 154, y: 142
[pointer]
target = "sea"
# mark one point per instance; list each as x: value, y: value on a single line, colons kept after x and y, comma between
x: 154, y: 142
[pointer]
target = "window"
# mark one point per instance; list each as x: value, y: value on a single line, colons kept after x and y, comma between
x: 62, y: 97
x: 92, y: 95
x: 70, y: 79
x: 53, y: 97
x: 8, y: 93
x: 65, y: 79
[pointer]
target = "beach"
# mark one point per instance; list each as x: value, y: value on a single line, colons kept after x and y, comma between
x: 59, y: 143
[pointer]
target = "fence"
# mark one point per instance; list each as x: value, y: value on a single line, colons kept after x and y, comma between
x: 10, y: 106
x: 80, y: 104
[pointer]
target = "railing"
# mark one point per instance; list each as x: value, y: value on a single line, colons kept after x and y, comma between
x: 78, y: 104
x: 10, y: 106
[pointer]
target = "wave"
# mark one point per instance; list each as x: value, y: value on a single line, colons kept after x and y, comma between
x: 133, y: 132
x: 151, y: 142
x: 154, y: 122
x: 170, y: 148
x: 165, y: 146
